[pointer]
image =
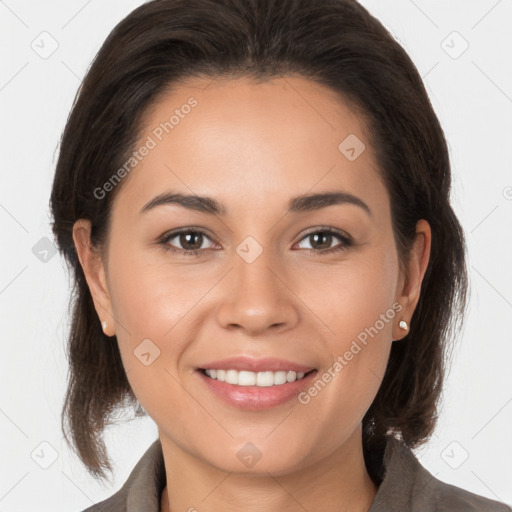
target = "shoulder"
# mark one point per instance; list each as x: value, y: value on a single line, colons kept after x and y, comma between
x: 407, y: 486
x: 143, y: 488
x: 454, y: 499
x: 112, y: 504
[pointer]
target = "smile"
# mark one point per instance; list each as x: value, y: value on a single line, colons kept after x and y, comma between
x: 260, y: 379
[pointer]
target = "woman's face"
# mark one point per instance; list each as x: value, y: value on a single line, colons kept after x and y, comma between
x: 279, y: 281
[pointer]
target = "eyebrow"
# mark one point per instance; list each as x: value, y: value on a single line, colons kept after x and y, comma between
x: 204, y: 204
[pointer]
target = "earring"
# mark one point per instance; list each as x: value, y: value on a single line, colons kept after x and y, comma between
x: 104, y: 325
x: 403, y: 325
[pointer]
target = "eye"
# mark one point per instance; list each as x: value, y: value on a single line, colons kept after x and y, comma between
x: 321, y: 240
x: 191, y: 241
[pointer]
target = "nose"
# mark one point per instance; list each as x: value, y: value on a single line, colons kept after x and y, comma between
x: 257, y: 298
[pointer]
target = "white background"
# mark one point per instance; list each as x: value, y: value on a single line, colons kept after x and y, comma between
x: 472, y: 95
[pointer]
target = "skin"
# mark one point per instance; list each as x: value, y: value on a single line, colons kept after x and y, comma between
x: 253, y: 147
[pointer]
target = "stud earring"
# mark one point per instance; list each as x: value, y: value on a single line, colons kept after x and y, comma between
x: 403, y: 325
x: 104, y: 325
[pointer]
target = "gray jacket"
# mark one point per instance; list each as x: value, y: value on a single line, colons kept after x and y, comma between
x: 406, y: 487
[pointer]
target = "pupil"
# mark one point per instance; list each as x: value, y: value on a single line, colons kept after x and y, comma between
x: 320, y: 235
x: 185, y: 240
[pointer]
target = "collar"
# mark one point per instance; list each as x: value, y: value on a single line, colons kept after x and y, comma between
x: 406, y: 486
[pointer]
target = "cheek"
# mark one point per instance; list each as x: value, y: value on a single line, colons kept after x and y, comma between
x: 149, y: 296
x: 351, y: 296
x: 358, y: 310
x: 146, y: 305
x: 155, y: 305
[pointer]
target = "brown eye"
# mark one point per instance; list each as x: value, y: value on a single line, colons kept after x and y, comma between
x: 187, y: 242
x: 322, y: 240
x: 191, y: 240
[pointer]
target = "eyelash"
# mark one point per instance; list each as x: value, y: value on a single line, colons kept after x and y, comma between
x: 346, y: 241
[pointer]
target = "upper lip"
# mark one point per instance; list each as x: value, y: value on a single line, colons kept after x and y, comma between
x: 250, y: 364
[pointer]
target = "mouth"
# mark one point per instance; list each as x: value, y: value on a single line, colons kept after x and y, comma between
x: 254, y: 391
x: 262, y: 379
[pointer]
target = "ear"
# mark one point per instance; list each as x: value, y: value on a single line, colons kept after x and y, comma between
x: 409, y: 290
x: 95, y: 274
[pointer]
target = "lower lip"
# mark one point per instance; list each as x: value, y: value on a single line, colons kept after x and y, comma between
x: 255, y: 398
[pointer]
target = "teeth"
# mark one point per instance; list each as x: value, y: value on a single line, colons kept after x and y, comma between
x: 261, y: 379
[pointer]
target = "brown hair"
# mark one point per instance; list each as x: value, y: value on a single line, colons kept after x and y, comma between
x: 333, y: 42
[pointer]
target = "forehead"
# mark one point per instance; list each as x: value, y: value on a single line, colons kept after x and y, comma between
x: 241, y: 139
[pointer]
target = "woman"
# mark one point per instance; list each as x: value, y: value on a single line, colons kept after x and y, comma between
x: 253, y: 197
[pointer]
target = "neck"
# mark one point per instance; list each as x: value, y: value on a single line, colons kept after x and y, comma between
x: 338, y: 482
